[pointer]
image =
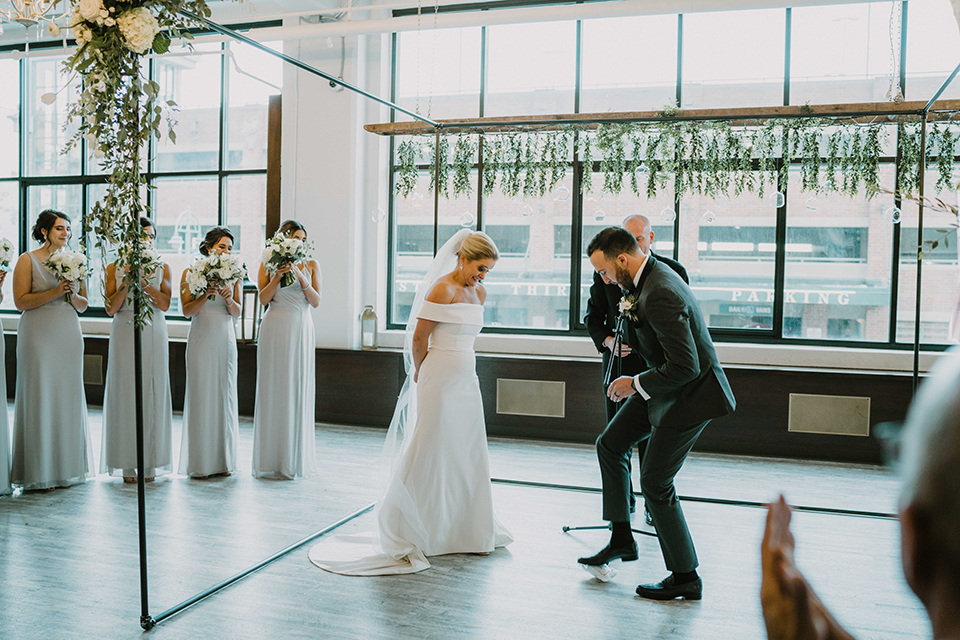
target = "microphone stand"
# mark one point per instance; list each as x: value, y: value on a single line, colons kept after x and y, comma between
x: 607, y: 379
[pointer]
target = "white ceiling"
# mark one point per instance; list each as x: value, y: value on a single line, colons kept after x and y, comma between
x: 255, y: 10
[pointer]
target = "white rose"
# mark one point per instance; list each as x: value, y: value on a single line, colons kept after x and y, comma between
x: 110, y: 22
x: 82, y: 34
x: 90, y: 9
x: 139, y: 28
x: 53, y: 29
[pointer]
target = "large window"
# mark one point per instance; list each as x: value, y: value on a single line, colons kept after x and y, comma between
x: 795, y: 266
x: 214, y: 174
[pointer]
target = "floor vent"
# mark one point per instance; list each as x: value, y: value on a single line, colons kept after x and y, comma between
x: 542, y: 398
x: 92, y: 369
x: 832, y: 415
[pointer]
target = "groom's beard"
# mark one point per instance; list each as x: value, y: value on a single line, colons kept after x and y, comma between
x: 622, y: 277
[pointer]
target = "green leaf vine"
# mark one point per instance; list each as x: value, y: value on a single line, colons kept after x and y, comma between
x: 706, y: 158
x: 119, y: 111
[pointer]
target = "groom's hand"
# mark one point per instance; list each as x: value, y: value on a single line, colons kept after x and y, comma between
x: 621, y: 389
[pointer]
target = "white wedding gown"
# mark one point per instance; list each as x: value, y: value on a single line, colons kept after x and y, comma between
x: 439, y: 498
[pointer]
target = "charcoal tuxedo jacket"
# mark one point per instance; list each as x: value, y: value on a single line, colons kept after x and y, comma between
x: 684, y: 380
x: 603, y: 305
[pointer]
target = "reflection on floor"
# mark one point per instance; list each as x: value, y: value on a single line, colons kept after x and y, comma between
x: 69, y: 564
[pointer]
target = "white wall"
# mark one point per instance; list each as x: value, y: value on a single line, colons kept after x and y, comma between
x: 333, y: 176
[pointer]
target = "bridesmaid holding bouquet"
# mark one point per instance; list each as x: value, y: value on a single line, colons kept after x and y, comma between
x: 119, y: 451
x: 283, y: 425
x: 51, y: 442
x: 210, y: 424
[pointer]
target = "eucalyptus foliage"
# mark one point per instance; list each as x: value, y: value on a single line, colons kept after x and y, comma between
x: 707, y: 158
x: 120, y: 110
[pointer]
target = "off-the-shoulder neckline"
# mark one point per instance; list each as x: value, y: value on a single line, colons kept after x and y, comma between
x: 450, y: 304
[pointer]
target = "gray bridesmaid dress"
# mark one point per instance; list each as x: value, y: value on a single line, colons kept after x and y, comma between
x: 118, y: 454
x: 210, y: 424
x: 51, y: 442
x: 283, y: 423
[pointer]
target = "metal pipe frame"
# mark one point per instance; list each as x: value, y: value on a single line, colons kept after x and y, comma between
x: 151, y: 622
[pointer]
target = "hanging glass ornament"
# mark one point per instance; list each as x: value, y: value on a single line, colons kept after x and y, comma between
x: 466, y: 219
x: 599, y: 216
x: 709, y: 216
x: 642, y: 168
x: 563, y: 194
x: 526, y: 211
x: 779, y: 199
x: 668, y: 215
x: 894, y: 214
x: 721, y: 202
x: 378, y: 215
x: 812, y: 204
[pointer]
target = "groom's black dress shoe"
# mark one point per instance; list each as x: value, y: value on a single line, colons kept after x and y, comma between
x: 627, y: 553
x: 666, y: 589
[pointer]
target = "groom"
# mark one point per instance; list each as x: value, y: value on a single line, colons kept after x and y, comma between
x: 669, y: 405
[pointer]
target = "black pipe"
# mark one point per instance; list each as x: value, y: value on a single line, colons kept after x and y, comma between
x: 942, y: 88
x: 141, y: 489
x: 436, y: 193
x: 333, y: 79
x: 922, y: 169
x: 279, y: 554
x: 723, y: 501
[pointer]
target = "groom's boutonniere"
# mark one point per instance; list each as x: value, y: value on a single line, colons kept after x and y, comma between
x: 628, y: 306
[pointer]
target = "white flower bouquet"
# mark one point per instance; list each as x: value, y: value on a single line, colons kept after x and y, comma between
x: 151, y: 257
x: 217, y: 270
x: 281, y: 251
x: 68, y: 265
x: 7, y: 254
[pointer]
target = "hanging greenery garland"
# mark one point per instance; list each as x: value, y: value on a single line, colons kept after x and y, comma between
x: 707, y: 158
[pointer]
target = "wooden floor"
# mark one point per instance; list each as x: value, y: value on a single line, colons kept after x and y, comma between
x: 69, y: 564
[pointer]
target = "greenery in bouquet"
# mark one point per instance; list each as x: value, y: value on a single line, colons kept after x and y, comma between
x: 281, y: 251
x: 119, y: 110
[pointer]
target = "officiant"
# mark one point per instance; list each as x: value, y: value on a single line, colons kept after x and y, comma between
x: 669, y: 405
x: 601, y: 318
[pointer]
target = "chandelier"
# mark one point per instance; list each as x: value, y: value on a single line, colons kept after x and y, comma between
x: 29, y: 12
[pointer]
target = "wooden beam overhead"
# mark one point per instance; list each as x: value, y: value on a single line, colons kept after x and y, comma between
x: 863, y: 112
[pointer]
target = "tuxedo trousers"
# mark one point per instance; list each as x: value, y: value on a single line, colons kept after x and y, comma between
x: 667, y: 448
x: 629, y: 365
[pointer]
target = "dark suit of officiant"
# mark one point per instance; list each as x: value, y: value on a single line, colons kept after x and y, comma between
x: 685, y: 388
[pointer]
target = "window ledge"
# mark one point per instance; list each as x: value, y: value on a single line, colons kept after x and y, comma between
x: 731, y: 354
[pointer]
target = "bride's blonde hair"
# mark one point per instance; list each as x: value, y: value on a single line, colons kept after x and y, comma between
x: 478, y: 246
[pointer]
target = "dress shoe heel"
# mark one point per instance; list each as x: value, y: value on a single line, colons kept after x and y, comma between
x: 626, y: 553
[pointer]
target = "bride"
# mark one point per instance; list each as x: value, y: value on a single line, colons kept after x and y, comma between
x: 438, y: 497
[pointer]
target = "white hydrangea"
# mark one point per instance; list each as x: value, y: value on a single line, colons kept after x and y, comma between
x: 139, y: 28
x: 195, y: 280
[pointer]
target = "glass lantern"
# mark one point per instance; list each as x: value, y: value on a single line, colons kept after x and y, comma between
x: 250, y: 309
x: 368, y: 328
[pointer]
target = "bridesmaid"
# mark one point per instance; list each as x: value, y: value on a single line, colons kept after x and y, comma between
x: 5, y: 486
x: 283, y: 423
x: 119, y: 452
x: 210, y: 424
x: 51, y: 442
